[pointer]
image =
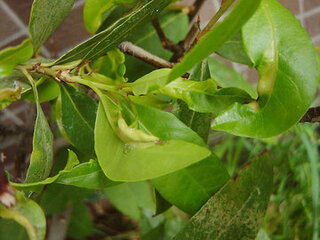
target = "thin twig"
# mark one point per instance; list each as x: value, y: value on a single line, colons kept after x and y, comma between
x: 312, y: 115
x: 166, y: 43
x: 137, y: 52
x: 197, y: 5
x: 59, y: 224
x: 224, y: 7
x: 194, y: 30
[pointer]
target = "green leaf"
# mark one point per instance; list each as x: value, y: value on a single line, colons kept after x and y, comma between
x: 199, y: 181
x: 211, y: 42
x: 48, y: 90
x: 203, y: 96
x: 12, y: 56
x: 130, y: 198
x: 162, y: 204
x: 42, y: 154
x: 175, y: 25
x: 233, y: 50
x: 191, y: 187
x: 199, y: 122
x: 46, y: 16
x: 93, y: 11
x: 80, y: 225
x: 122, y: 161
x: 28, y: 214
x: 86, y: 175
x: 12, y: 228
x: 151, y: 100
x: 101, y: 43
x: 150, y: 82
x: 55, y: 197
x: 286, y: 62
x: 36, y: 186
x: 227, y: 77
x: 237, y: 210
x: 76, y: 114
x: 111, y: 65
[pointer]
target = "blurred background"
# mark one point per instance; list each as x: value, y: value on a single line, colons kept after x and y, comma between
x: 294, y: 207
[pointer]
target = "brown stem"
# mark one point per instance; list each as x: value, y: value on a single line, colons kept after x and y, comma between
x: 312, y: 115
x: 166, y: 43
x: 194, y: 30
x: 137, y: 52
x: 197, y: 5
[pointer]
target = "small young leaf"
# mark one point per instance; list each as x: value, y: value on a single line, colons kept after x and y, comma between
x: 211, y: 42
x: 28, y: 214
x: 237, y: 210
x: 46, y: 16
x: 101, y: 43
x: 287, y: 65
x: 76, y: 114
x: 12, y: 56
x: 131, y: 162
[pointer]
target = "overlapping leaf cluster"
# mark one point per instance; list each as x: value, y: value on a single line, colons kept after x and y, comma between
x: 121, y: 124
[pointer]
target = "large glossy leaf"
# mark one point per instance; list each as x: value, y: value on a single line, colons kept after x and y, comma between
x: 233, y: 50
x: 286, y: 62
x: 139, y: 161
x: 76, y: 114
x: 12, y: 56
x: 228, y: 77
x: 42, y: 154
x: 85, y: 175
x: 199, y: 181
x: 236, y: 211
x: 46, y: 16
x: 101, y: 43
x: 174, y: 24
x: 28, y: 214
x: 223, y: 31
x: 191, y: 187
x: 131, y: 198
